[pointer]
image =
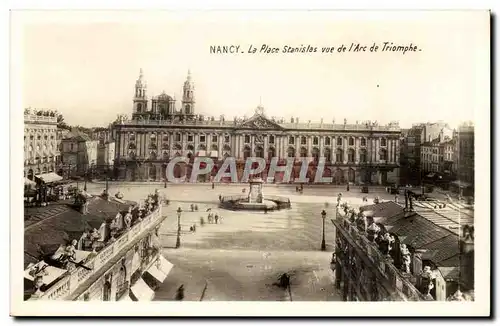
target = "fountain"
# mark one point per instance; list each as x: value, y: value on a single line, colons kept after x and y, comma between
x: 255, y: 200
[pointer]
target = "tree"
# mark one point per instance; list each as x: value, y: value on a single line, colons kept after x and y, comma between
x: 60, y: 121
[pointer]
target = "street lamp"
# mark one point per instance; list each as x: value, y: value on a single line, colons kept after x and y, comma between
x: 323, y: 243
x: 179, y: 212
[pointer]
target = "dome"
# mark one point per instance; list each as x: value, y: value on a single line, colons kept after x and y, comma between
x: 164, y: 97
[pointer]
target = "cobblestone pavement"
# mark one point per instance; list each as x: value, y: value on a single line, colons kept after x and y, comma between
x: 241, y: 258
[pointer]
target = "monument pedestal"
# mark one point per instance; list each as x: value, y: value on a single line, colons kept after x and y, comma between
x: 255, y: 193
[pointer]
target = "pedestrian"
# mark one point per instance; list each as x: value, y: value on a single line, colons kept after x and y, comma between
x: 180, y: 293
x: 194, y: 227
x: 220, y: 198
x: 220, y: 219
x: 191, y: 229
x: 347, y: 187
x: 192, y: 207
x: 216, y: 219
x: 202, y: 221
x: 213, y: 185
x: 396, y: 199
x: 196, y: 207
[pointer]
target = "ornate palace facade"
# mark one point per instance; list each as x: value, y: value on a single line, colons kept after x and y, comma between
x: 364, y: 152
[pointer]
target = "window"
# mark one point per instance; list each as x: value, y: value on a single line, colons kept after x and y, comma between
x: 327, y: 141
x: 383, y: 155
x: 291, y: 140
x: 39, y: 137
x: 226, y: 139
x: 214, y: 138
x: 46, y: 137
x: 71, y: 147
x: 327, y: 155
x: 362, y: 156
x: 350, y: 156
x: 303, y: 140
x: 315, y: 141
x: 351, y: 141
x: 190, y: 137
x: 339, y: 141
x: 363, y: 142
x: 177, y: 137
x: 247, y: 139
x: 165, y: 138
x: 271, y: 139
x: 202, y: 138
x: 31, y: 137
x: 339, y: 156
x: 383, y: 142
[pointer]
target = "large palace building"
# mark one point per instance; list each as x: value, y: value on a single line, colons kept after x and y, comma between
x: 364, y: 152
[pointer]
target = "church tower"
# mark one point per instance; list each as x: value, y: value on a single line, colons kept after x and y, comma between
x: 188, y: 100
x: 140, y: 97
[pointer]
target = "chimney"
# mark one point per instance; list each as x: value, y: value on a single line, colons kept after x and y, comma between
x: 467, y: 257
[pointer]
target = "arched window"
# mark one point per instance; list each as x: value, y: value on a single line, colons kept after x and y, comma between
x: 152, y: 146
x: 165, y: 155
x: 362, y: 155
x: 339, y: 141
x: 131, y: 154
x: 165, y: 146
x: 190, y: 147
x: 339, y: 156
x: 259, y: 152
x: 177, y: 137
x: 214, y: 147
x: 303, y: 140
x: 303, y: 152
x: 383, y: 155
x: 291, y: 140
x: 188, y: 109
x: 363, y: 141
x: 350, y: 155
x: 291, y: 151
x: 351, y: 141
x: 271, y: 152
x: 327, y: 141
x: 152, y: 155
x: 165, y: 138
x: 271, y: 139
x: 315, y: 141
x: 177, y: 147
x: 139, y: 107
x: 383, y: 142
x: 202, y: 147
x: 247, y: 152
x: 315, y: 154
x: 328, y: 155
x: 227, y: 148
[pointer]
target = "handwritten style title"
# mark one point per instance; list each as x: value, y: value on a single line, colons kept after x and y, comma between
x: 342, y: 48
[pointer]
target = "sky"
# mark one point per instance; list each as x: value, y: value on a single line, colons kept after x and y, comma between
x: 85, y: 64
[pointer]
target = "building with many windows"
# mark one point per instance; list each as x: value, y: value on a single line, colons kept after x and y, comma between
x: 41, y: 154
x: 464, y: 158
x: 404, y: 252
x: 361, y: 152
x: 79, y: 153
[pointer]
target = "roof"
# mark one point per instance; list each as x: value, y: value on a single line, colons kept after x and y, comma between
x: 49, y: 177
x: 76, y: 135
x: 436, y: 231
x: 46, y: 228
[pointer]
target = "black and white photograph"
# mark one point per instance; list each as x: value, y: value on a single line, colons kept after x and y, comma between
x: 285, y: 162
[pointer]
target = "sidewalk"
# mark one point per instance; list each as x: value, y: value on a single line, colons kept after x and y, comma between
x: 193, y: 285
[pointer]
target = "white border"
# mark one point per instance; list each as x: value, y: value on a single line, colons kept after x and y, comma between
x: 479, y: 307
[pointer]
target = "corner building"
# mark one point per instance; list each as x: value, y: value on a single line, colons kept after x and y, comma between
x: 358, y: 153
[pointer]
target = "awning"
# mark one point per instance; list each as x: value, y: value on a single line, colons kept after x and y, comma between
x: 28, y: 182
x: 49, y: 273
x: 49, y: 177
x: 142, y: 291
x: 214, y: 154
x: 157, y: 274
x: 201, y: 153
x: 164, y: 265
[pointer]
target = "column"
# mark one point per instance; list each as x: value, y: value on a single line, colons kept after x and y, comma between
x: 389, y: 150
x: 266, y: 145
x: 196, y: 142
x: 240, y: 146
x: 321, y: 146
x: 356, y: 151
x: 252, y: 145
x: 344, y: 148
x: 396, y: 156
x: 377, y: 149
x: 309, y: 145
x: 158, y: 172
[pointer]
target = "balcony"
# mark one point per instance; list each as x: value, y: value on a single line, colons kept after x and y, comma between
x: 77, y: 277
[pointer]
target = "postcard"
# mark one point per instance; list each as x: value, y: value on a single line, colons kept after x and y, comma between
x: 250, y: 163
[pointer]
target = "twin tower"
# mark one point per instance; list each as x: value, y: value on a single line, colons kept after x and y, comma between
x: 162, y: 106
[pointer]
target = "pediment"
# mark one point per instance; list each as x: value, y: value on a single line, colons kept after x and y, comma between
x: 259, y: 122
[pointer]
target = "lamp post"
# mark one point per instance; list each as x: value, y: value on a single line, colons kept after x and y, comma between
x: 178, y: 243
x: 323, y: 243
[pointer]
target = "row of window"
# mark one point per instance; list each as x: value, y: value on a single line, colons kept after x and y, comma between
x: 271, y: 139
x: 259, y: 152
x: 39, y: 137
